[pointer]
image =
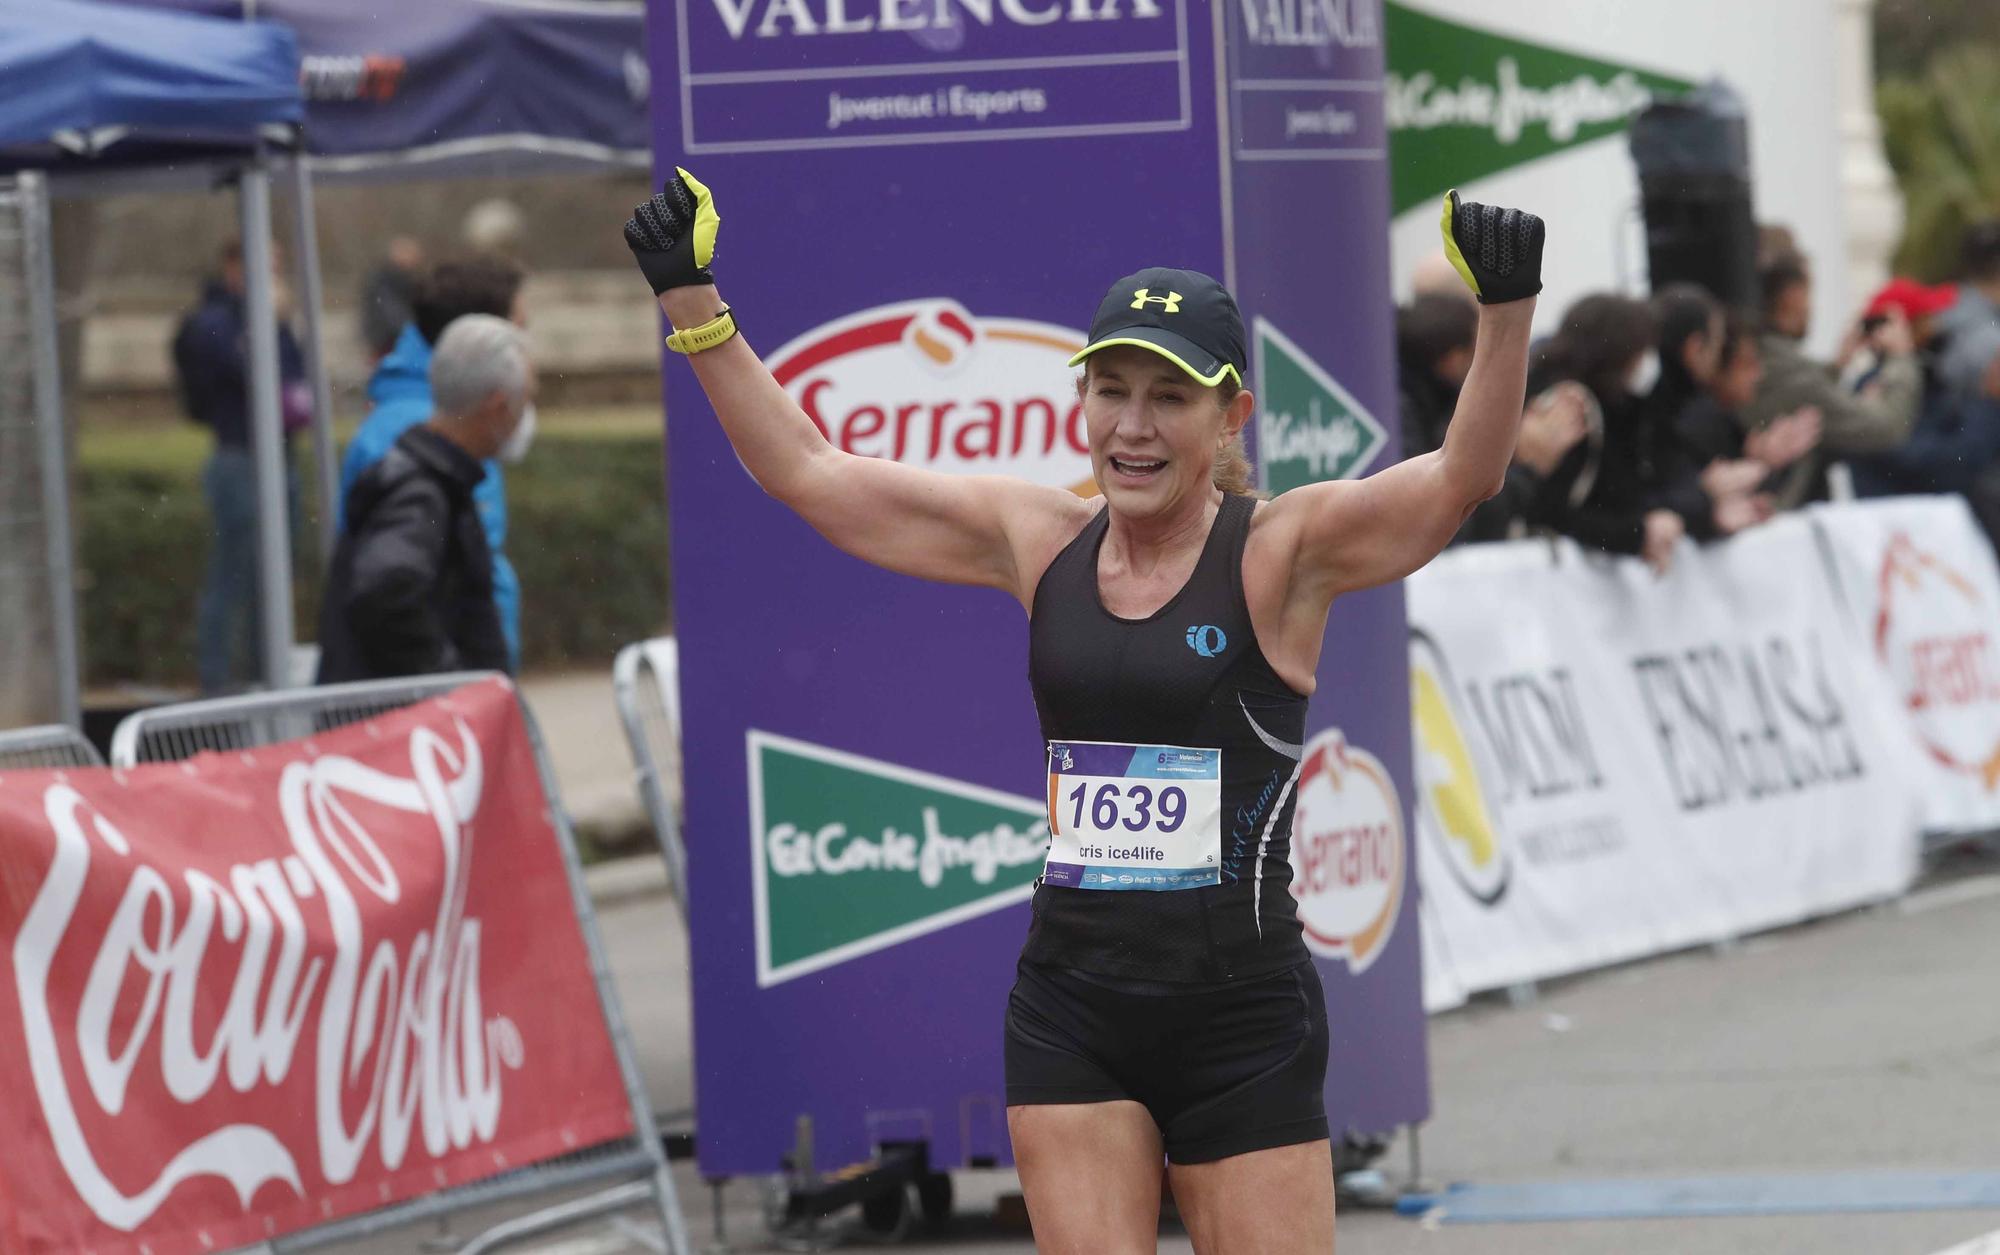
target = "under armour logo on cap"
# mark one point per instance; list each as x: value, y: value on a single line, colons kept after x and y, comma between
x: 1183, y: 315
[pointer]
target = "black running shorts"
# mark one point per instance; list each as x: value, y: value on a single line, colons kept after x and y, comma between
x: 1224, y: 1070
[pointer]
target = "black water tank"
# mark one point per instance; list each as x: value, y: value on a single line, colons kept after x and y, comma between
x: 1693, y: 154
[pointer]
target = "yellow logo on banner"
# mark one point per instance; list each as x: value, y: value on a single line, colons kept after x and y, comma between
x: 1453, y: 796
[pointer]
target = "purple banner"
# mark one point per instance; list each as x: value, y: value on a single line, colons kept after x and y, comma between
x: 773, y: 75
x: 867, y: 792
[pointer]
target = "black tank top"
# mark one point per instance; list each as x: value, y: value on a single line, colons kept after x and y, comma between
x: 1191, y: 674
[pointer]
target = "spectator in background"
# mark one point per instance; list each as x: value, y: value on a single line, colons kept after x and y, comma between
x: 401, y: 393
x: 1776, y: 243
x: 1873, y: 421
x: 389, y: 295
x: 1957, y: 434
x: 410, y: 587
x: 1715, y: 495
x: 1434, y: 341
x: 1973, y: 321
x: 212, y: 366
x: 1712, y: 425
x: 1606, y: 344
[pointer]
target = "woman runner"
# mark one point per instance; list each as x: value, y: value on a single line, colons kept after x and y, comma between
x: 1175, y: 625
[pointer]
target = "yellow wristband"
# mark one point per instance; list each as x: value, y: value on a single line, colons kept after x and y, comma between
x: 715, y: 331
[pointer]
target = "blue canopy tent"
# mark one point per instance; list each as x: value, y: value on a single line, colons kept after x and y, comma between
x: 395, y: 88
x: 83, y: 79
x: 91, y: 87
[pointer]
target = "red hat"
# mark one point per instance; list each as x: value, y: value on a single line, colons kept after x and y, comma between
x: 1916, y: 300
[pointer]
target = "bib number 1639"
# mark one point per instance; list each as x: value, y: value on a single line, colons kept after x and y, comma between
x: 1137, y: 807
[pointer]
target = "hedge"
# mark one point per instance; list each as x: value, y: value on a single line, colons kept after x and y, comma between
x: 587, y: 532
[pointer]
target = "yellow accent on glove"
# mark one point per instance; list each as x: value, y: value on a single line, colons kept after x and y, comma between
x: 706, y: 221
x: 1451, y: 253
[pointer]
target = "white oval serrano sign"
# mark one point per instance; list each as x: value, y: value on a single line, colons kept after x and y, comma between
x: 1347, y: 851
x: 927, y: 383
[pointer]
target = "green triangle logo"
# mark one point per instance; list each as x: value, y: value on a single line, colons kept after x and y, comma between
x: 1309, y: 428
x: 1463, y: 102
x: 853, y: 855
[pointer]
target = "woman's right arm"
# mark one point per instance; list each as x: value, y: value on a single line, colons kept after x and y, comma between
x: 990, y: 531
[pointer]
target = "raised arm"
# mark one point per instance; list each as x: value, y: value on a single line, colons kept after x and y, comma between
x: 1350, y: 534
x: 984, y: 530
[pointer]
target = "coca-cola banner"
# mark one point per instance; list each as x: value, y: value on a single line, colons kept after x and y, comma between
x: 922, y: 204
x: 253, y: 992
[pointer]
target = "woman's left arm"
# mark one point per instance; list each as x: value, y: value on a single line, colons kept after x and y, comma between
x: 1353, y: 534
x: 1357, y: 533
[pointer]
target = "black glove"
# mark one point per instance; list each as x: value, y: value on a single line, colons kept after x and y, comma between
x: 1498, y: 252
x: 673, y: 234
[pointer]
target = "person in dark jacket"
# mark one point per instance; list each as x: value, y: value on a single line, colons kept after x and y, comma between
x: 400, y: 397
x: 1712, y: 425
x: 1715, y: 495
x: 1434, y: 341
x: 211, y: 361
x: 410, y: 587
x: 1597, y: 496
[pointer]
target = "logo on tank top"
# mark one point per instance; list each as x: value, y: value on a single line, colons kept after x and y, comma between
x: 931, y: 384
x: 1349, y: 856
x: 1207, y: 640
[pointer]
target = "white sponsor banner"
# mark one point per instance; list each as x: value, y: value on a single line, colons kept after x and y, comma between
x: 1923, y: 596
x: 1612, y: 765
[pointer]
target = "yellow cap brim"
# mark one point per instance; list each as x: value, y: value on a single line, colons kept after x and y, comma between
x: 1175, y: 349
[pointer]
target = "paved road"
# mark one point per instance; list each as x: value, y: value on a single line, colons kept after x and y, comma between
x: 1866, y: 1042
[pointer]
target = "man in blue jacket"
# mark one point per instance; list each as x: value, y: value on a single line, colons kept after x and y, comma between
x: 401, y: 392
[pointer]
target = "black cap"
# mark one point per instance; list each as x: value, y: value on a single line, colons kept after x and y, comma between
x: 1183, y: 315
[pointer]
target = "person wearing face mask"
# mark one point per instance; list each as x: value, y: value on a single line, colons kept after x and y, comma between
x: 400, y: 394
x: 410, y: 588
x: 1599, y: 494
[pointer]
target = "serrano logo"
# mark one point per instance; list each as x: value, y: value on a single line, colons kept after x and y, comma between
x: 926, y: 383
x: 1934, y: 633
x: 1452, y: 798
x: 1347, y: 842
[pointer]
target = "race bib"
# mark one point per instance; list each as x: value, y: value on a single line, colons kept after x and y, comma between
x: 1133, y: 816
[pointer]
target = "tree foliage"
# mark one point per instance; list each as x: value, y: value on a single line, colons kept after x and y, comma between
x: 1908, y: 33
x: 1941, y: 129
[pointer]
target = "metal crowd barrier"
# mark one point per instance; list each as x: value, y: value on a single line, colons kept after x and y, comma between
x: 637, y: 1165
x: 56, y: 745
x: 646, y: 682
